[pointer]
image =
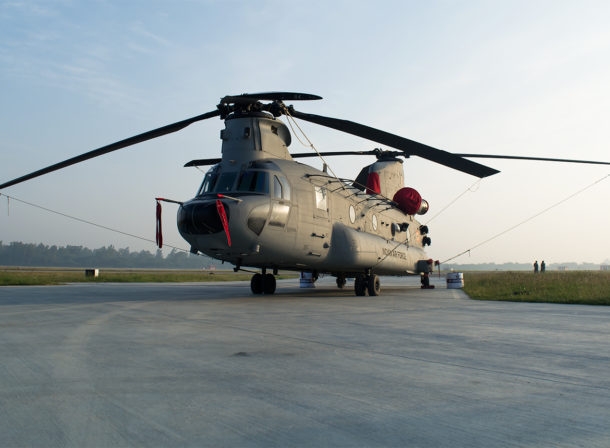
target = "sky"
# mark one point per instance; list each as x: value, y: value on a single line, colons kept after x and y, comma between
x: 492, y: 77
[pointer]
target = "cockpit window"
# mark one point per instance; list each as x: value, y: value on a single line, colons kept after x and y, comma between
x: 281, y: 188
x: 215, y: 181
x: 209, y: 182
x: 225, y: 182
x: 254, y: 181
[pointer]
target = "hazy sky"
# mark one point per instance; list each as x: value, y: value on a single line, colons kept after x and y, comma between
x: 501, y: 77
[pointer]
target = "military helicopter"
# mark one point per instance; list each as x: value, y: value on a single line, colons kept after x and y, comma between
x: 258, y: 207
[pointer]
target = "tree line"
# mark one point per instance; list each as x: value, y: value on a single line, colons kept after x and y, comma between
x: 27, y: 254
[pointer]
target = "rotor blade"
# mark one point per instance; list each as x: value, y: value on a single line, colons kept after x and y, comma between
x: 409, y: 147
x: 543, y: 159
x: 202, y: 162
x: 207, y: 162
x: 168, y: 129
x: 269, y: 96
x: 333, y: 153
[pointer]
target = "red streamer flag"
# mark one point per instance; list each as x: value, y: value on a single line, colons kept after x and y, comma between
x: 223, y: 218
x: 159, y: 235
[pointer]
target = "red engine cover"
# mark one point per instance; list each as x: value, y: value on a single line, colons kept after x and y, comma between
x: 408, y: 200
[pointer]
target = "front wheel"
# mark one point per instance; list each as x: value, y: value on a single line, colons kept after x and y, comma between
x: 341, y: 281
x: 256, y: 284
x: 270, y: 284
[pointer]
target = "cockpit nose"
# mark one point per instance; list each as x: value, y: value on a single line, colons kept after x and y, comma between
x: 197, y: 218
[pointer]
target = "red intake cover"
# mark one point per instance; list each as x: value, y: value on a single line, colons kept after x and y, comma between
x: 373, y: 185
x: 408, y: 200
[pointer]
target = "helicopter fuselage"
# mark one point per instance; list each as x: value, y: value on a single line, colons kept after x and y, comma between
x: 259, y: 208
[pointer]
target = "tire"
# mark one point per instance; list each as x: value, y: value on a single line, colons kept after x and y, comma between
x: 256, y: 284
x: 360, y: 286
x: 341, y: 282
x: 374, y: 285
x: 269, y: 284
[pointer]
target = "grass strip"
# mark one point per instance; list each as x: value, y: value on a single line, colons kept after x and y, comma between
x: 577, y: 287
x: 33, y: 277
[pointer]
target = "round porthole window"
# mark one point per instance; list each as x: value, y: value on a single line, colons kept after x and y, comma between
x: 352, y: 214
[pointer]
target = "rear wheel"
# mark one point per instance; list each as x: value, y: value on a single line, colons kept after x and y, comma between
x: 374, y: 285
x: 360, y: 286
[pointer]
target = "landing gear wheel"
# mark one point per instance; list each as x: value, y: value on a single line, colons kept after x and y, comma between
x: 341, y: 282
x: 373, y: 285
x: 256, y: 284
x: 269, y: 284
x: 360, y: 286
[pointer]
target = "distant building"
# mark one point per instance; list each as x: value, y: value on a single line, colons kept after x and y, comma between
x: 604, y: 267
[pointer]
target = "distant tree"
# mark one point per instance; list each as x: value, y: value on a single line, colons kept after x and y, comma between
x: 24, y: 254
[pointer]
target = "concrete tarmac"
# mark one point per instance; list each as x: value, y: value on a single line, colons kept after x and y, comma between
x: 93, y: 365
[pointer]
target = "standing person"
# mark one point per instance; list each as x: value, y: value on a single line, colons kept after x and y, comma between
x: 542, y: 266
x: 536, y: 267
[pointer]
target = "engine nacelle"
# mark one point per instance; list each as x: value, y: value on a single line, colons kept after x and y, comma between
x: 410, y: 201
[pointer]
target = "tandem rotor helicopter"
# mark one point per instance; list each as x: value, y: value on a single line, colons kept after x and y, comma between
x: 258, y: 207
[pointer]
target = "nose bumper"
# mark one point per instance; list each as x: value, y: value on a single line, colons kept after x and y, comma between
x: 200, y: 218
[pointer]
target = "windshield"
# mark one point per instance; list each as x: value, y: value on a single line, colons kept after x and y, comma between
x: 217, y: 182
x: 254, y: 181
